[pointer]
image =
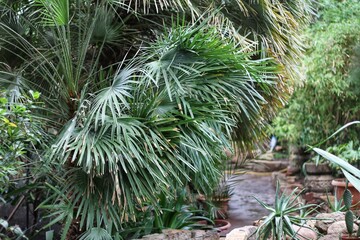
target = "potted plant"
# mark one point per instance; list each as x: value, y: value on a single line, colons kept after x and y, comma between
x: 350, y: 153
x: 220, y: 199
x: 216, y: 202
x: 287, y: 212
x: 318, y: 175
x: 316, y: 166
x: 351, y: 173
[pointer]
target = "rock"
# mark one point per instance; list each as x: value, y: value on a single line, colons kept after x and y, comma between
x: 278, y: 176
x: 243, y: 233
x: 204, y: 235
x: 319, y: 183
x: 260, y: 221
x: 291, y: 179
x: 329, y: 237
x: 197, y: 234
x: 339, y: 227
x: 174, y: 234
x: 295, y: 163
x: 291, y: 170
x: 269, y: 156
x: 305, y: 232
x: 324, y: 220
x: 267, y: 166
x: 155, y: 236
x: 311, y: 223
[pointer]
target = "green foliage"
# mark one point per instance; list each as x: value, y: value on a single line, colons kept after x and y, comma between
x: 141, y: 97
x: 328, y: 97
x: 351, y: 173
x: 349, y: 152
x: 178, y: 213
x: 287, y: 211
x: 18, y: 132
x: 337, y: 205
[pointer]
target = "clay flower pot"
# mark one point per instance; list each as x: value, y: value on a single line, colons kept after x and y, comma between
x: 340, y: 185
x: 221, y: 224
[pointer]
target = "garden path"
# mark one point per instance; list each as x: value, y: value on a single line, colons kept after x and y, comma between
x: 243, y: 208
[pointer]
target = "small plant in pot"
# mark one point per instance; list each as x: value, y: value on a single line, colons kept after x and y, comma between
x: 316, y: 166
x: 220, y: 200
x: 352, y: 174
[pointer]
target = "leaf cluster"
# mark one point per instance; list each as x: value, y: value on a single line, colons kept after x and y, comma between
x: 19, y: 132
x: 327, y: 99
x: 141, y: 97
x: 287, y: 211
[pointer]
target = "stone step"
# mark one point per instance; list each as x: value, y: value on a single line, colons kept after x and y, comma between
x: 267, y: 166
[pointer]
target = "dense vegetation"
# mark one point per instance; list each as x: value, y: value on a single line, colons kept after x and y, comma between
x: 140, y: 98
x: 329, y: 94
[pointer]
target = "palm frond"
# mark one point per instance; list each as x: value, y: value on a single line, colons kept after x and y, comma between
x: 55, y: 12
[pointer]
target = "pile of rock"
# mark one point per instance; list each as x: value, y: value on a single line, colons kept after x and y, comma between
x: 326, y: 226
x: 174, y: 234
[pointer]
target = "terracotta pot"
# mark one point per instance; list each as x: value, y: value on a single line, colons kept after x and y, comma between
x: 347, y: 237
x: 221, y: 224
x: 340, y: 185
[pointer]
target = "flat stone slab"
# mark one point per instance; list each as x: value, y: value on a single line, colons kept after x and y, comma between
x: 267, y: 166
x: 243, y: 233
x: 175, y: 234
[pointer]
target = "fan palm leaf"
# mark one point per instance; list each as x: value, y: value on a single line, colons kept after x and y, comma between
x: 130, y: 124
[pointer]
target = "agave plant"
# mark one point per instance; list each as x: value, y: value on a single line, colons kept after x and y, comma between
x: 140, y: 96
x: 287, y: 211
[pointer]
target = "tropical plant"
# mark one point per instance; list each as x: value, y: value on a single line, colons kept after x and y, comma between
x: 141, y: 97
x: 328, y: 96
x: 350, y: 172
x: 352, y: 175
x: 19, y: 133
x: 178, y: 213
x: 349, y: 152
x: 287, y: 211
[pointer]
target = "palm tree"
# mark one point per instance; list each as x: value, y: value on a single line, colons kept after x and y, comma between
x: 141, y: 97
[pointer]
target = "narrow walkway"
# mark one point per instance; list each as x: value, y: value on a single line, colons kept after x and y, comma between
x: 243, y: 208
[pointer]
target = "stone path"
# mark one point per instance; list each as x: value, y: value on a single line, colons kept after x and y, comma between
x: 243, y: 208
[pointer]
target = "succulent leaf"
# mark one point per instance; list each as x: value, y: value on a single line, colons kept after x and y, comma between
x: 347, y: 197
x: 349, y: 220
